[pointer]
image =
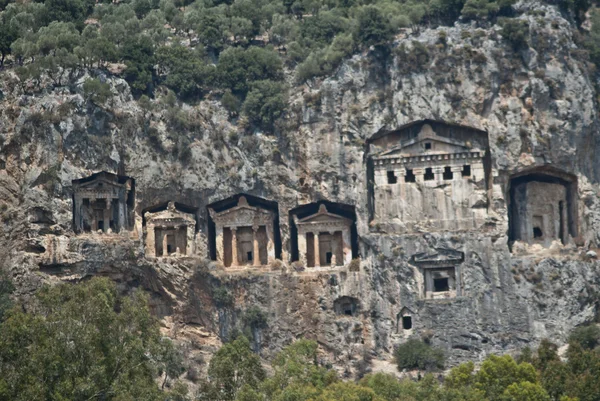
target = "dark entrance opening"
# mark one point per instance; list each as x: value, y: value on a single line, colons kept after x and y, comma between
x: 429, y: 174
x: 391, y: 177
x: 440, y: 284
x: 249, y: 256
x: 537, y: 232
x: 328, y: 257
x: 406, y: 322
x: 410, y: 176
x: 466, y: 171
x: 448, y: 173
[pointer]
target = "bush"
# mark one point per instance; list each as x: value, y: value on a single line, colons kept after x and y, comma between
x: 238, y: 67
x: 373, y: 27
x: 515, y: 32
x: 586, y: 336
x: 265, y: 103
x: 416, y: 354
x: 95, y: 91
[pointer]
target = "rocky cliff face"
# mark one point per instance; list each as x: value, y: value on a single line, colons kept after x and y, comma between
x: 538, y: 106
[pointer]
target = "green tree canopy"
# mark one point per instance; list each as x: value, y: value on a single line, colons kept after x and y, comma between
x: 81, y: 342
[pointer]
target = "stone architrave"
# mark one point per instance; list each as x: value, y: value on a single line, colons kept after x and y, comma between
x: 244, y: 216
x: 101, y: 202
x: 175, y: 222
x: 327, y: 223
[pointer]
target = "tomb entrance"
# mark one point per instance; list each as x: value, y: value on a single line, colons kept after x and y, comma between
x: 244, y: 235
x: 429, y: 174
x: 324, y: 238
x: 346, y: 306
x: 169, y: 232
x: 103, y: 202
x: 440, y: 272
x: 543, y: 206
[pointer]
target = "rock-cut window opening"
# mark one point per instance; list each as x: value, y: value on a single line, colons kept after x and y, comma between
x: 427, y: 145
x: 429, y: 174
x: 466, y: 170
x: 406, y: 322
x: 410, y: 176
x: 391, y: 177
x: 448, y: 173
x: 440, y: 284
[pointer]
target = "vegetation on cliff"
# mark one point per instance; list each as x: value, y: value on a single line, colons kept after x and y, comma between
x: 86, y: 342
x: 234, y: 49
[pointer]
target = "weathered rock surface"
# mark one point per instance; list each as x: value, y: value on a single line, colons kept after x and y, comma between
x: 539, y: 107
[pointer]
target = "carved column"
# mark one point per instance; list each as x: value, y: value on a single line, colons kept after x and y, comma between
x: 107, y: 214
x: 219, y: 244
x: 164, y: 243
x: 234, y: 247
x: 438, y: 174
x: 456, y: 172
x: 419, y: 174
x: 302, y: 248
x: 255, y: 249
x: 270, y: 243
x: 347, y: 243
x: 150, y: 241
x: 317, y: 250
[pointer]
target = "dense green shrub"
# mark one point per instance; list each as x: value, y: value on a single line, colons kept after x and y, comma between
x: 84, y: 342
x: 96, y: 91
x: 515, y: 31
x: 238, y: 67
x: 588, y: 337
x: 265, y: 103
x: 416, y: 354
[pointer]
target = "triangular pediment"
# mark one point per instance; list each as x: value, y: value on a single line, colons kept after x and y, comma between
x: 99, y: 184
x: 440, y: 256
x: 323, y: 216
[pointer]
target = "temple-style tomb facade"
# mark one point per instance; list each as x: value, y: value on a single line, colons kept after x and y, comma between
x: 324, y: 239
x: 244, y: 235
x: 429, y: 175
x: 103, y: 202
x: 170, y: 232
x: 543, y: 206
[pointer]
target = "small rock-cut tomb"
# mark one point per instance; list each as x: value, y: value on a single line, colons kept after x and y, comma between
x: 440, y: 273
x: 543, y: 206
x: 244, y: 235
x: 348, y: 306
x: 169, y: 232
x: 429, y: 175
x: 324, y: 239
x: 103, y: 202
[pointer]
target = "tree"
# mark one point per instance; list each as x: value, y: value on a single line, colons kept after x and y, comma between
x: 265, y: 103
x: 416, y: 354
x: 499, y: 372
x: 525, y: 391
x: 68, y: 11
x: 80, y: 342
x: 96, y: 91
x: 586, y: 336
x: 373, y: 27
x: 138, y: 54
x: 238, y: 67
x: 232, y: 367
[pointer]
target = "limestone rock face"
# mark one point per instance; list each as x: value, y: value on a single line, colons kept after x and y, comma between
x: 538, y: 107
